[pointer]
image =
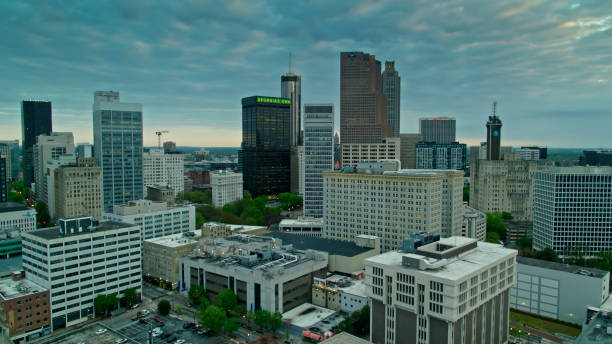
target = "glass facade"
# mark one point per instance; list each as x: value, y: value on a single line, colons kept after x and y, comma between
x: 35, y: 120
x: 265, y: 146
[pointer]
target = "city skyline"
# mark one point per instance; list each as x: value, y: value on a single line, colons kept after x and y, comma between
x: 191, y: 69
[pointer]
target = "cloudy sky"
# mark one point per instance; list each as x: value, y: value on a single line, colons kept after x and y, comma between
x: 547, y: 63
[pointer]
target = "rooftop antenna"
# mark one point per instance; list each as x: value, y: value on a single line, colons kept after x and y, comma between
x: 289, y: 62
x: 494, y: 106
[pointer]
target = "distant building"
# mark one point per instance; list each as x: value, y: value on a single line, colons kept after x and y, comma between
x: 431, y: 155
x: 297, y: 170
x: 155, y: 219
x: 494, y: 125
x: 354, y: 153
x: 226, y: 187
x: 260, y: 273
x: 47, y: 148
x: 556, y: 290
x: 532, y: 153
x: 52, y: 166
x: 10, y: 148
x: 318, y: 154
x: 391, y: 84
x: 19, y: 216
x: 160, y: 258
x: 221, y: 230
x: 516, y: 229
x: 455, y: 290
x: 199, y: 176
x: 35, y: 121
x: 291, y: 88
x: 363, y: 105
x: 417, y: 201
x: 24, y: 309
x: 159, y: 168
x: 474, y: 224
x: 84, y: 150
x: 408, y: 144
x: 169, y: 146
x: 122, y: 170
x: 266, y: 128
x: 302, y: 226
x: 339, y: 293
x: 571, y: 210
x: 10, y: 243
x: 3, y: 179
x: 596, y: 158
x: 505, y: 185
x: 158, y: 193
x: 438, y: 129
x: 78, y: 190
x: 55, y: 258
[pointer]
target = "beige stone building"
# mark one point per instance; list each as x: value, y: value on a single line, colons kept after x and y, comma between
x: 505, y: 185
x: 160, y: 257
x: 353, y: 153
x: 474, y: 223
x: 392, y: 203
x: 78, y: 190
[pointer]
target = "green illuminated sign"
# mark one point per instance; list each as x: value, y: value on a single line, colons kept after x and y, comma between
x: 269, y: 100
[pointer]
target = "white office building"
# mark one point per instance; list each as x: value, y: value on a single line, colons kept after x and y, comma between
x: 455, y: 290
x: 160, y: 168
x: 156, y: 219
x: 17, y: 216
x: 79, y: 260
x: 47, y: 149
x: 556, y: 290
x: 226, y: 187
x: 572, y: 211
x: 318, y: 154
x: 307, y: 226
x: 474, y: 224
x: 354, y: 153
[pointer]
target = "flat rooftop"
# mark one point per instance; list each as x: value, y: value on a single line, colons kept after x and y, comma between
x: 237, y: 228
x: 54, y: 233
x: 455, y: 268
x: 6, y: 207
x: 346, y: 338
x: 8, y: 265
x: 331, y: 246
x: 10, y: 289
x: 573, y: 269
x: 301, y: 222
x: 174, y: 240
x: 306, y: 315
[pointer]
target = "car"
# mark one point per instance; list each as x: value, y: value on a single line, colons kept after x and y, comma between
x: 120, y: 340
x: 143, y: 321
x: 190, y: 305
x: 145, y: 312
x: 158, y: 320
x: 135, y: 306
x: 157, y: 333
x: 203, y: 331
x: 101, y: 331
x: 179, y: 341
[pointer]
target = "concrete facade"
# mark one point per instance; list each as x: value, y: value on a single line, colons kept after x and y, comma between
x: 226, y: 187
x: 78, y: 190
x: 49, y: 148
x: 302, y: 226
x: 160, y: 256
x: 160, y: 168
x: 438, y: 129
x: 474, y: 224
x: 408, y: 149
x: 17, y: 216
x: 354, y: 153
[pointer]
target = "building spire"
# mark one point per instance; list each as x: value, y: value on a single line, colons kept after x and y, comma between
x: 289, y: 62
x: 494, y: 108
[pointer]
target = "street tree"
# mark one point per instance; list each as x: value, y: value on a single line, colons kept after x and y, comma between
x: 213, y: 319
x: 163, y: 307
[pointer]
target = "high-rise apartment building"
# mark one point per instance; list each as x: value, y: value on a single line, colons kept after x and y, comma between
x: 431, y: 155
x: 504, y: 185
x: 266, y: 145
x: 52, y: 166
x: 318, y: 154
x: 438, y: 129
x: 572, y: 212
x: 455, y: 290
x: 408, y: 149
x: 78, y: 190
x: 363, y: 106
x: 160, y: 168
x: 35, y: 121
x: 391, y: 83
x: 118, y: 148
x: 387, y: 149
x: 494, y: 125
x: 79, y: 260
x: 47, y: 149
x: 11, y: 149
x: 3, y: 179
x: 381, y: 200
x: 291, y: 88
x: 226, y: 187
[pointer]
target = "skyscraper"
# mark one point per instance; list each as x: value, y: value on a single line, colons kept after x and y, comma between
x: 291, y: 88
x: 10, y: 148
x: 363, y: 106
x: 438, y: 129
x: 494, y: 125
x: 118, y: 148
x: 318, y: 154
x: 266, y: 144
x: 35, y: 120
x: 3, y: 179
x: 430, y: 155
x: 391, y: 88
x: 47, y: 149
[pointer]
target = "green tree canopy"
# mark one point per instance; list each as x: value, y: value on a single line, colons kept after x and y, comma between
x: 227, y: 300
x: 262, y: 318
x: 506, y: 215
x: 495, y: 224
x: 231, y: 325
x: 163, y: 307
x: 195, y: 293
x: 100, y: 305
x: 492, y: 237
x: 42, y: 215
x: 290, y: 200
x: 213, y: 319
x: 524, y: 242
x: 130, y: 296
x: 276, y: 321
x: 112, y: 301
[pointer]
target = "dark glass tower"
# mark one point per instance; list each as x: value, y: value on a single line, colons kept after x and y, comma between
x: 494, y: 125
x: 266, y: 145
x: 35, y: 120
x: 391, y: 88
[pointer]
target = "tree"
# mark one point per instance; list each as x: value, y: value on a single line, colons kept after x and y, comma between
x: 130, y: 296
x: 466, y: 193
x: 271, y: 215
x: 213, y: 319
x: 262, y: 318
x: 506, y: 215
x: 195, y: 293
x: 492, y: 237
x: 178, y: 309
x: 290, y: 201
x: 362, y: 320
x: 230, y: 208
x: 524, y: 242
x: 548, y: 254
x: 346, y: 325
x: 227, y: 300
x: 246, y: 195
x: 163, y: 307
x: 495, y: 224
x: 231, y: 324
x: 42, y: 215
x: 112, y: 301
x: 199, y: 219
x: 276, y: 321
x: 100, y: 305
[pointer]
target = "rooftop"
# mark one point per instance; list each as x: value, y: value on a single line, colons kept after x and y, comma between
x: 8, y: 265
x: 306, y: 315
x: 345, y: 338
x: 302, y: 221
x: 572, y: 269
x: 236, y: 228
x: 175, y: 240
x: 10, y: 289
x: 54, y: 233
x: 6, y: 207
x: 331, y: 246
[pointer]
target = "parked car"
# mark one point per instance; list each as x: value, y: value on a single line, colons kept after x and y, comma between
x: 158, y: 320
x: 145, y: 312
x: 120, y: 340
x: 101, y: 331
x: 143, y: 321
x: 135, y: 306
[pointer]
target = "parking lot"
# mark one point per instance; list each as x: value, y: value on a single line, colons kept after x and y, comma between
x: 87, y: 335
x: 171, y: 326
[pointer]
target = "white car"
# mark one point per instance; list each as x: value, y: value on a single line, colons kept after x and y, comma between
x: 179, y: 341
x: 145, y: 312
x: 120, y: 340
x: 101, y: 331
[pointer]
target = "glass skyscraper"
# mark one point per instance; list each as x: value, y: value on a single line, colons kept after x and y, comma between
x: 391, y: 88
x: 318, y: 154
x: 118, y: 148
x: 35, y: 120
x: 266, y: 145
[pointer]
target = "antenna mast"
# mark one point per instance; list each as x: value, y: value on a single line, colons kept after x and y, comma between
x: 289, y: 62
x: 494, y: 106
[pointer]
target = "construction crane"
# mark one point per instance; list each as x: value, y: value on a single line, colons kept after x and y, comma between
x: 159, y: 134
